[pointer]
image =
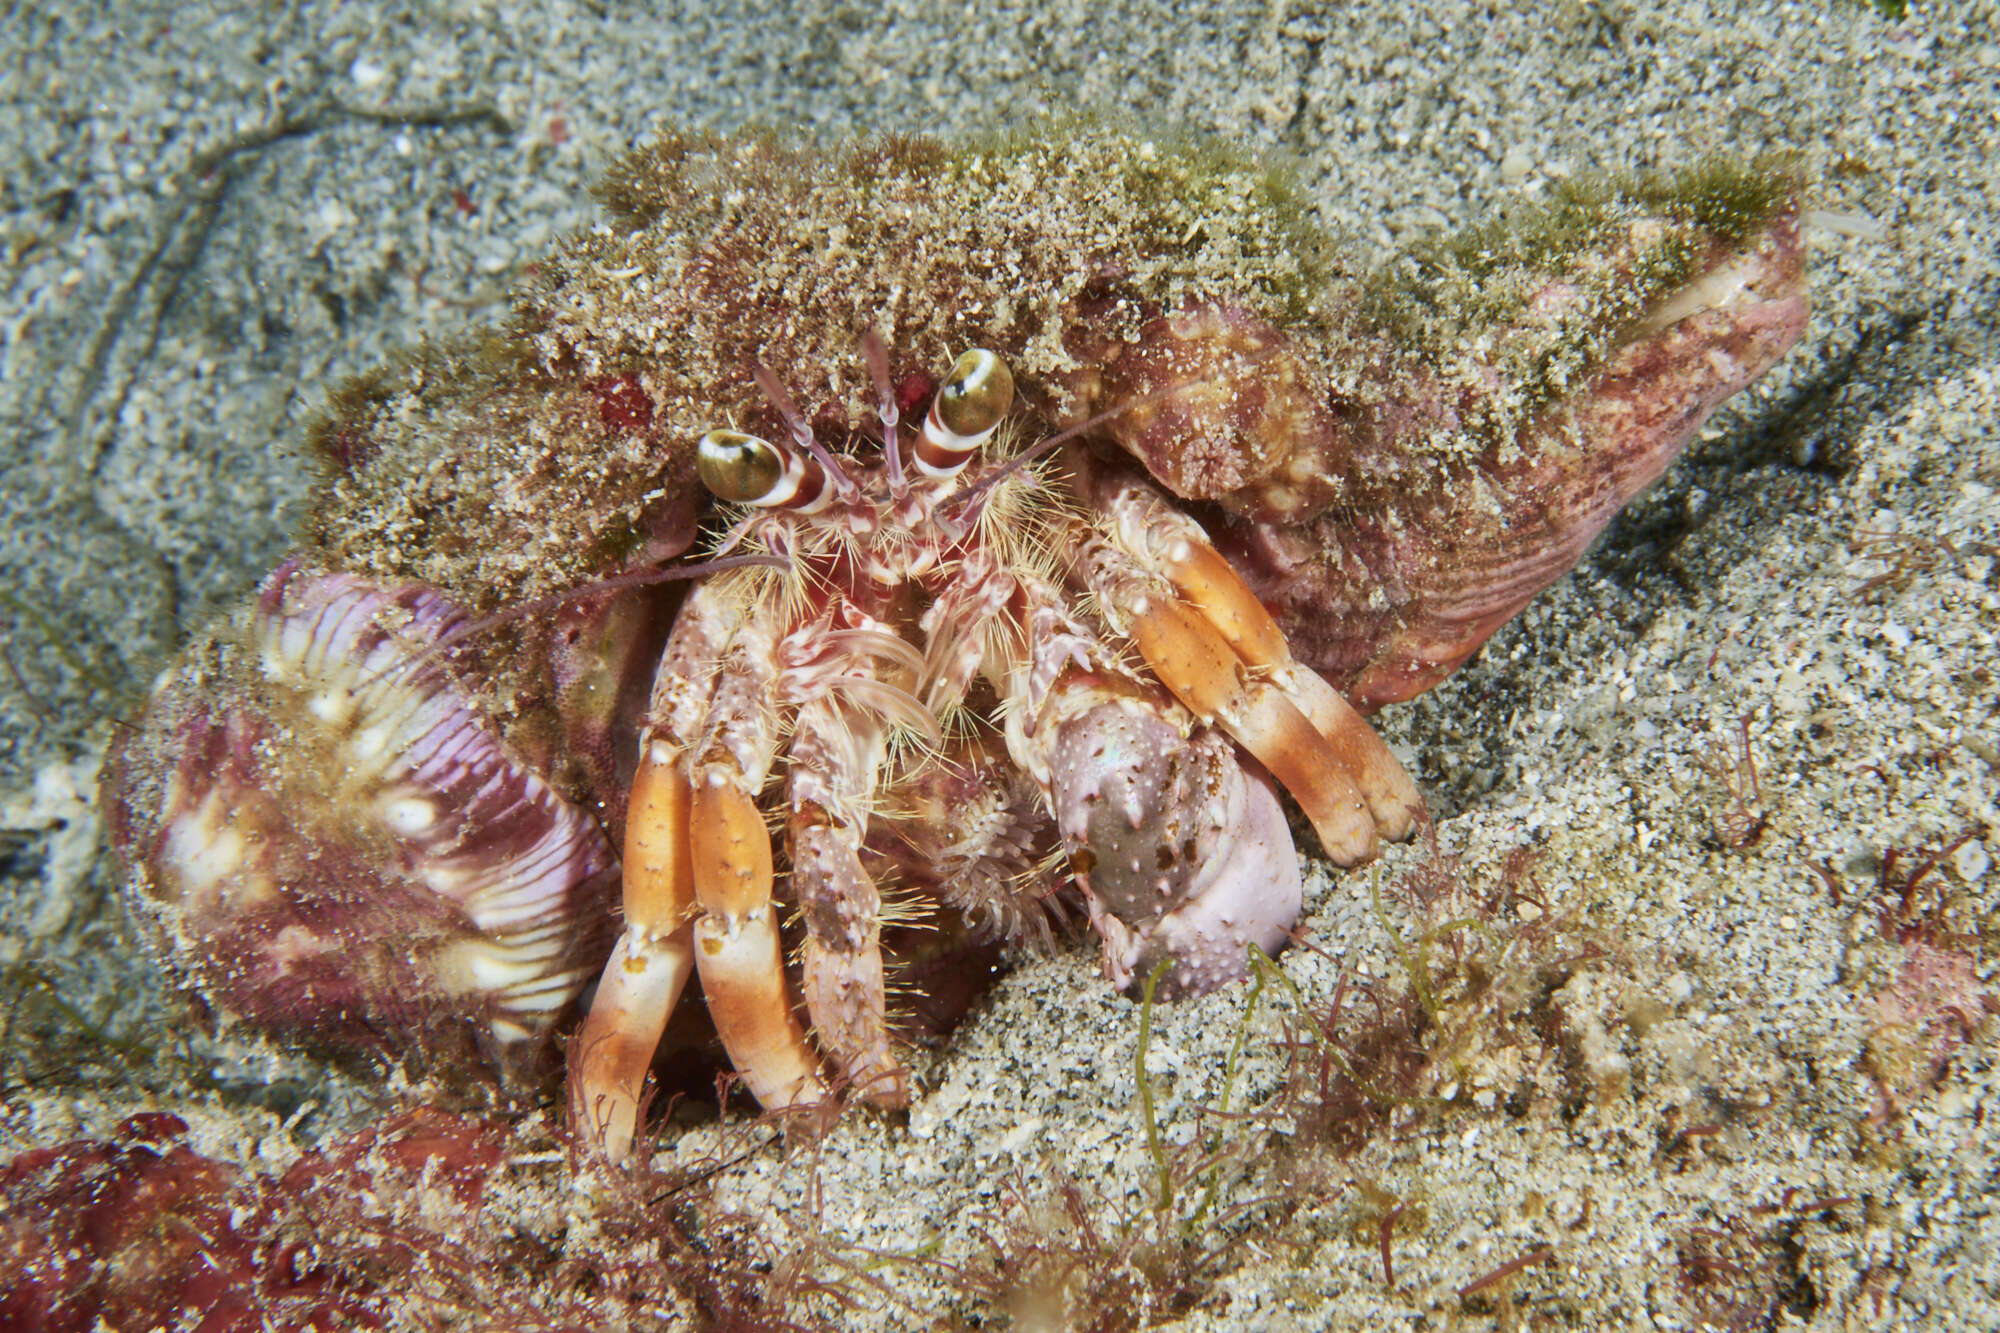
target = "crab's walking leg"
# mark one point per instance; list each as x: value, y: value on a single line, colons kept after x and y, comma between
x: 736, y: 944
x: 649, y: 967
x: 1205, y: 580
x: 1196, y: 663
x: 737, y: 949
x: 835, y: 757
x: 695, y: 841
x: 1209, y: 641
x: 653, y: 958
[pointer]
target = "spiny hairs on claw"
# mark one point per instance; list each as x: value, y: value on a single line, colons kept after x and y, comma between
x: 333, y: 843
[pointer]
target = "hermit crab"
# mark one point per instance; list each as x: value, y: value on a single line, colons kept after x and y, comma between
x: 915, y: 530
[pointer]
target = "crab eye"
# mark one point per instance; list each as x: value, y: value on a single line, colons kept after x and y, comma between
x: 738, y: 467
x: 967, y: 409
x: 976, y: 395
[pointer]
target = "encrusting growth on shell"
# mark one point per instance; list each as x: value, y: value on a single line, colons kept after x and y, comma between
x: 1368, y: 437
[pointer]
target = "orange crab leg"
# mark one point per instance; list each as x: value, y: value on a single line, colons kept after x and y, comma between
x: 1207, y: 581
x: 650, y: 965
x: 1201, y: 576
x: 737, y: 949
x: 1196, y: 663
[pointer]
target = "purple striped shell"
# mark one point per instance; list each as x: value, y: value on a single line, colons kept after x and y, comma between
x: 334, y: 841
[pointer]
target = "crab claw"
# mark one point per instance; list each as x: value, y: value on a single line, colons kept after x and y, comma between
x: 1185, y: 854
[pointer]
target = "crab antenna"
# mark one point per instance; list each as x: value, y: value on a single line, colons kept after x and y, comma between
x: 444, y: 645
x: 802, y: 433
x: 973, y: 498
x: 877, y: 356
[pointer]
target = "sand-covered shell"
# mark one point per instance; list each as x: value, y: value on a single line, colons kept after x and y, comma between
x: 1397, y: 460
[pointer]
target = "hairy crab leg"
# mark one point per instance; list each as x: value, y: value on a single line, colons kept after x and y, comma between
x: 835, y: 757
x: 652, y: 961
x: 846, y: 670
x: 959, y: 627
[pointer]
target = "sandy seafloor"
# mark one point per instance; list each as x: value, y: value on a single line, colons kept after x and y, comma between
x: 211, y: 217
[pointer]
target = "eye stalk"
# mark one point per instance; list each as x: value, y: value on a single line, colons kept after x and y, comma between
x: 746, y: 469
x: 969, y: 407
